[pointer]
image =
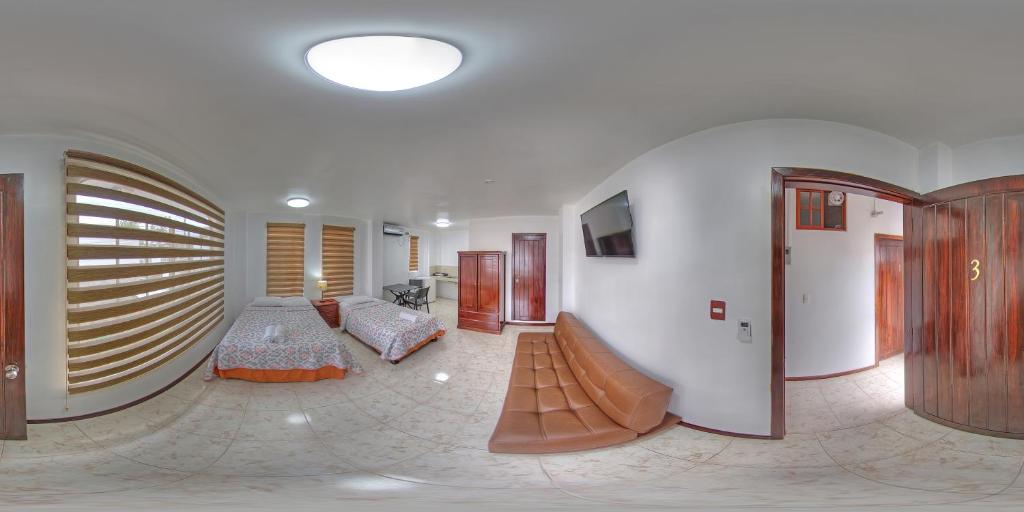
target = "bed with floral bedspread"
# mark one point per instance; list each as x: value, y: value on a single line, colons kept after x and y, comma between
x: 387, y: 327
x: 309, y: 350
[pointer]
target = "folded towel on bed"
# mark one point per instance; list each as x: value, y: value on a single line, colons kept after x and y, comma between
x: 408, y: 317
x: 273, y: 333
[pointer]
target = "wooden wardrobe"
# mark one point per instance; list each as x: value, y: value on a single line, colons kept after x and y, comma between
x: 482, y: 291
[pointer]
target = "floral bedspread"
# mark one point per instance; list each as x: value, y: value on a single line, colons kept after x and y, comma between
x: 378, y: 324
x: 309, y: 343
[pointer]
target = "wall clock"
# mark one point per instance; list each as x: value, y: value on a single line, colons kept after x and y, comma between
x: 836, y: 198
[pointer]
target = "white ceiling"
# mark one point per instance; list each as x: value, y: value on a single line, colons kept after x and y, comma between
x: 553, y: 96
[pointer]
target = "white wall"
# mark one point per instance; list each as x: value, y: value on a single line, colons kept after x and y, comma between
x: 447, y: 244
x: 988, y: 158
x: 701, y: 205
x: 394, y: 258
x: 495, y: 234
x: 935, y: 167
x: 570, y: 221
x: 256, y: 251
x: 834, y: 330
x: 41, y: 159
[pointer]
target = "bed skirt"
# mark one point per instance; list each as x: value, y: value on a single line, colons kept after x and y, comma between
x: 436, y: 336
x: 295, y: 375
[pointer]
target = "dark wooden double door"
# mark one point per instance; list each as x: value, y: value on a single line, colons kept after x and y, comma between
x: 966, y: 365
x: 482, y: 291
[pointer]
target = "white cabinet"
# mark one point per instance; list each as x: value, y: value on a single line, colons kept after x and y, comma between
x: 448, y: 290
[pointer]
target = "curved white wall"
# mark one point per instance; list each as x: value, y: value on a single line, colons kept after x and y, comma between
x: 701, y: 205
x: 988, y: 158
x: 833, y: 330
x: 41, y: 159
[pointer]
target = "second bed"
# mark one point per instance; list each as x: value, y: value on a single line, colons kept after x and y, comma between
x: 391, y: 330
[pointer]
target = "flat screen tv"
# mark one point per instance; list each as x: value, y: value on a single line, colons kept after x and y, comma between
x: 608, y: 228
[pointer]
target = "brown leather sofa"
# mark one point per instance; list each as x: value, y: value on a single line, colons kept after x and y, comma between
x: 569, y: 392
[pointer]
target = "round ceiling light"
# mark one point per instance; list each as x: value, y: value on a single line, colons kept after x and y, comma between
x: 384, y: 63
x: 298, y: 202
x: 442, y: 222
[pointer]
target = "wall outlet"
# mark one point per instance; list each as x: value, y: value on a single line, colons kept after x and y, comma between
x: 745, y: 333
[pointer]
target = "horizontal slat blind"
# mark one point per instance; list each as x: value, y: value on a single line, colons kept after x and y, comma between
x: 286, y: 266
x: 414, y: 253
x: 338, y: 259
x: 145, y: 270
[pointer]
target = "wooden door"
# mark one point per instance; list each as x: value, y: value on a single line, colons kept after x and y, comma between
x: 489, y: 278
x: 12, y: 309
x: 468, y: 297
x: 888, y: 296
x: 529, y: 276
x: 968, y: 356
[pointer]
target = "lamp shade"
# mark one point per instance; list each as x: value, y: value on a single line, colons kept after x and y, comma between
x: 321, y: 284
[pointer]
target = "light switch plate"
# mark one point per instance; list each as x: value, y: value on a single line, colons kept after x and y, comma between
x: 745, y: 332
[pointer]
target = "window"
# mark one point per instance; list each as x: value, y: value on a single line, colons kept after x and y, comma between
x: 813, y: 211
x: 338, y: 259
x: 414, y: 254
x: 145, y: 270
x: 286, y: 259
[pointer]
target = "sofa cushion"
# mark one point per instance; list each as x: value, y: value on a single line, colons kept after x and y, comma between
x: 546, y: 410
x: 627, y: 396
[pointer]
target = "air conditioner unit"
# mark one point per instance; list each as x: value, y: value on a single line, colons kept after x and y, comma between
x: 394, y: 230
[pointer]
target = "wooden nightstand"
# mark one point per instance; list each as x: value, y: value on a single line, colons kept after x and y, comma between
x: 328, y: 309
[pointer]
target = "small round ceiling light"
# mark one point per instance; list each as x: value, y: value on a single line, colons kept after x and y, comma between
x: 384, y: 63
x: 442, y: 222
x: 298, y: 202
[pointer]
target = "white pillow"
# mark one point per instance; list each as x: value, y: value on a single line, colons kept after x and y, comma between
x: 267, y: 302
x: 351, y: 300
x: 294, y: 301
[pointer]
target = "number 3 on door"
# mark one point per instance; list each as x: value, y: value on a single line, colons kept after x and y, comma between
x: 975, y: 270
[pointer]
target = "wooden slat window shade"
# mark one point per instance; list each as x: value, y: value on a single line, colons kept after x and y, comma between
x: 286, y: 254
x: 338, y: 259
x: 145, y: 270
x: 414, y: 253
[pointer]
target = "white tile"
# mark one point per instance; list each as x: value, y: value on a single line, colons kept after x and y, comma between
x: 49, y: 439
x: 278, y: 458
x: 274, y: 426
x: 866, y: 443
x: 795, y: 451
x: 340, y: 418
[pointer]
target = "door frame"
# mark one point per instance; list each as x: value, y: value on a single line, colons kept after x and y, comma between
x: 12, y: 281
x: 544, y: 267
x: 793, y: 177
x: 878, y: 238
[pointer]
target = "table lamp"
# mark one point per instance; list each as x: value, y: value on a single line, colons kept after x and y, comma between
x: 322, y: 284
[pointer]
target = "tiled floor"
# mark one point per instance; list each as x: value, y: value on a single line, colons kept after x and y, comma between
x: 414, y: 436
x: 814, y: 406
